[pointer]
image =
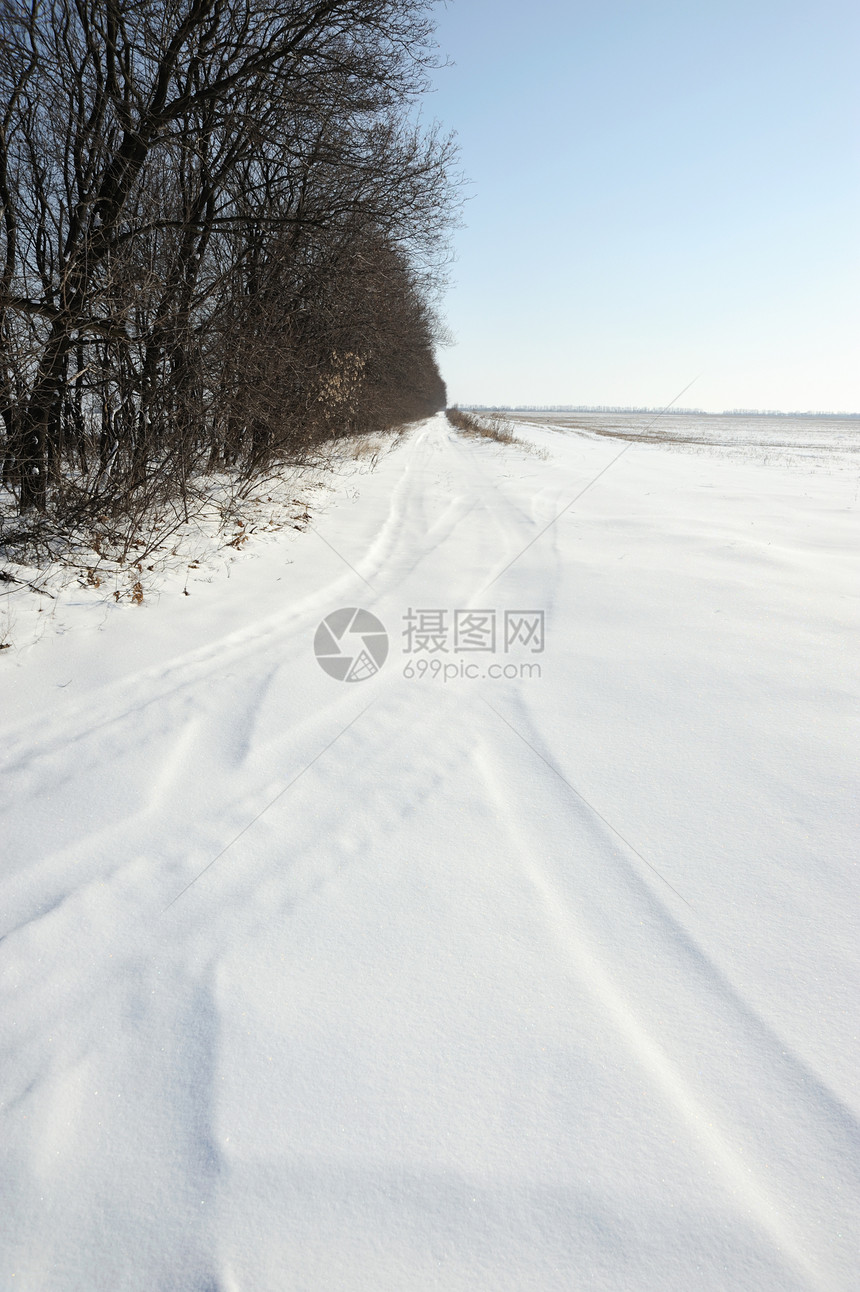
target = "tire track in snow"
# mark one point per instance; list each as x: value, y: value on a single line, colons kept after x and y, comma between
x: 112, y: 925
x: 757, y: 1111
x: 123, y: 704
x: 129, y: 696
x: 99, y: 988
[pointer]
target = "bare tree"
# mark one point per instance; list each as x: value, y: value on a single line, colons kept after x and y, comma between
x: 219, y: 230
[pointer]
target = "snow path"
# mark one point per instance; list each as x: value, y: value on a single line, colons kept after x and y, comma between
x: 542, y: 983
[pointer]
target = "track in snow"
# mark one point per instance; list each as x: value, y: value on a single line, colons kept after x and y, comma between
x: 428, y: 1022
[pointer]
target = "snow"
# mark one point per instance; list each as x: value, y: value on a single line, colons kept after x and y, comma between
x: 543, y: 982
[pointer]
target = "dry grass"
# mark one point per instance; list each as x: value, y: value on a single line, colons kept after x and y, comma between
x: 491, y: 427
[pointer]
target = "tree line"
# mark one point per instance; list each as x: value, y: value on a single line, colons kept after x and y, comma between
x: 221, y: 234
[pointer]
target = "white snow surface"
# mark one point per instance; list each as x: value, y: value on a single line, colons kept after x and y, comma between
x: 530, y: 983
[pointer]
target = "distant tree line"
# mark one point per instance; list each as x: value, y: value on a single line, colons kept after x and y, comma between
x: 577, y: 408
x: 616, y: 408
x: 221, y: 233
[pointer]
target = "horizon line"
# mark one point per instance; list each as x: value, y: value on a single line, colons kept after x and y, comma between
x: 629, y: 408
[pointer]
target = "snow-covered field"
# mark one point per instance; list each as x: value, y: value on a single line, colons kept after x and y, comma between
x: 822, y: 439
x: 441, y: 979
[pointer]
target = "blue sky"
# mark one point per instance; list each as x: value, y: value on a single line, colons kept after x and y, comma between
x: 658, y: 191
